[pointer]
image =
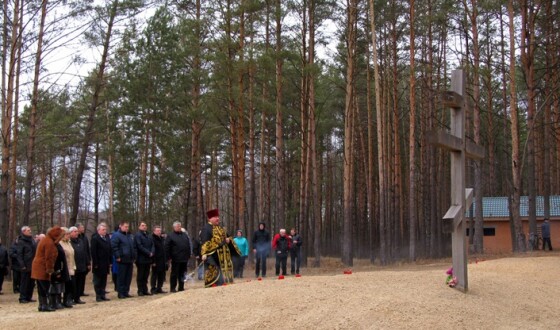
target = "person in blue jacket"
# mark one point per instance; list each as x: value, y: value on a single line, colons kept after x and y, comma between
x: 239, y: 261
x: 124, y: 250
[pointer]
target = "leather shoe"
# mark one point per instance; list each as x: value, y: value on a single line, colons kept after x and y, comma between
x: 24, y: 301
x: 78, y: 301
x: 128, y: 295
x: 140, y: 294
x: 161, y: 291
x: 148, y: 293
x: 84, y: 295
x: 105, y: 298
x: 122, y: 297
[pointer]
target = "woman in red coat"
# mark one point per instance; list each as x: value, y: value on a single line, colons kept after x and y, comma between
x: 43, y: 265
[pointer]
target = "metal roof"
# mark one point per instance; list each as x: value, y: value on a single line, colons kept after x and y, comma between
x: 498, y: 207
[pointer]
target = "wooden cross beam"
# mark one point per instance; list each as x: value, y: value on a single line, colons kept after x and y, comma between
x: 461, y: 197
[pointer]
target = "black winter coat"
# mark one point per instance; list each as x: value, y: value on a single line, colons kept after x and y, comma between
x: 60, y: 274
x: 159, y: 259
x: 81, y: 256
x: 85, y: 240
x: 13, y: 256
x: 4, y: 260
x: 25, y: 252
x: 101, y: 254
x: 144, y: 247
x: 123, y: 247
x: 178, y: 247
x: 261, y: 241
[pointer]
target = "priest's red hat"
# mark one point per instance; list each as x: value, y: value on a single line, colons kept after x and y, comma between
x: 213, y: 213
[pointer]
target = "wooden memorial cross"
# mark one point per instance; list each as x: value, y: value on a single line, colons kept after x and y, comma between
x: 461, y: 198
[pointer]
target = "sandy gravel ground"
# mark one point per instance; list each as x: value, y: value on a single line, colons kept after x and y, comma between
x: 507, y: 293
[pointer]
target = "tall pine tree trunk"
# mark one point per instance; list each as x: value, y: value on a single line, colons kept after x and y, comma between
x: 412, y: 144
x: 349, y: 112
x: 88, y: 134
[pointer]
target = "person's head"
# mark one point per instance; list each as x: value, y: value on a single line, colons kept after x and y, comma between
x: 102, y: 229
x: 292, y: 231
x: 40, y: 237
x: 282, y: 232
x: 73, y: 232
x: 81, y: 228
x: 66, y: 234
x: 546, y: 219
x: 142, y: 226
x: 56, y: 233
x: 239, y: 233
x: 261, y: 226
x: 177, y: 226
x: 123, y: 226
x: 26, y: 231
x: 213, y: 217
x: 157, y: 230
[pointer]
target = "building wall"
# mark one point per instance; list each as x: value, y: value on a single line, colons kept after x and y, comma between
x: 501, y: 242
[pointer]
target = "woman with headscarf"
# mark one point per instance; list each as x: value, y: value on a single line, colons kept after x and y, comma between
x: 44, y: 266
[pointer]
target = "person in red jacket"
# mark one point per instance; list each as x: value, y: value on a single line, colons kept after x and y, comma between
x: 43, y: 268
x: 281, y: 244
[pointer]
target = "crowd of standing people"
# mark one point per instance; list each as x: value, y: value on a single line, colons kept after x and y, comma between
x: 58, y: 263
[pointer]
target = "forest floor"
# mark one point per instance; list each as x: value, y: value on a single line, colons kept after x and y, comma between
x: 511, y: 292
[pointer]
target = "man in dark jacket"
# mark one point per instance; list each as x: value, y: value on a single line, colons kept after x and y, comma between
x: 281, y: 243
x: 81, y: 258
x: 124, y: 250
x: 101, y: 259
x: 295, y: 252
x: 546, y: 234
x: 159, y: 262
x: 178, y: 252
x: 261, y: 248
x: 25, y: 253
x: 82, y: 274
x: 16, y: 275
x: 145, y: 249
x: 4, y: 263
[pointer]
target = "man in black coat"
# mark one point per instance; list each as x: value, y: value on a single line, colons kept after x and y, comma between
x: 124, y: 251
x: 159, y: 262
x: 178, y: 252
x: 4, y: 263
x: 81, y: 258
x: 82, y: 274
x: 261, y: 248
x: 16, y: 275
x: 25, y: 253
x: 101, y: 259
x: 145, y: 249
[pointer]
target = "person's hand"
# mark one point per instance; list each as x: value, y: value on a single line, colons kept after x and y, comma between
x: 118, y: 259
x: 204, y: 257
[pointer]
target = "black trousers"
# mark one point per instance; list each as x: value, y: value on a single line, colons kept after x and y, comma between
x: 142, y: 275
x: 124, y: 278
x: 546, y: 240
x: 157, y: 279
x: 281, y: 260
x: 2, y: 272
x: 43, y: 288
x: 26, y: 286
x: 99, y: 284
x: 238, y: 265
x: 16, y: 280
x: 178, y: 269
x: 80, y: 283
x: 69, y: 289
x: 260, y: 264
x: 295, y: 261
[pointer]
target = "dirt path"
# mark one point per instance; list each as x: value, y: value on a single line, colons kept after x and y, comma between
x: 508, y: 293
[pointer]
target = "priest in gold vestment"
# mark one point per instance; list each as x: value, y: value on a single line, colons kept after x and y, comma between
x: 216, y: 250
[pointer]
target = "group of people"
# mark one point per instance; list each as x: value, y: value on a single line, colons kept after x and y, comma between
x: 283, y: 246
x: 58, y: 262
